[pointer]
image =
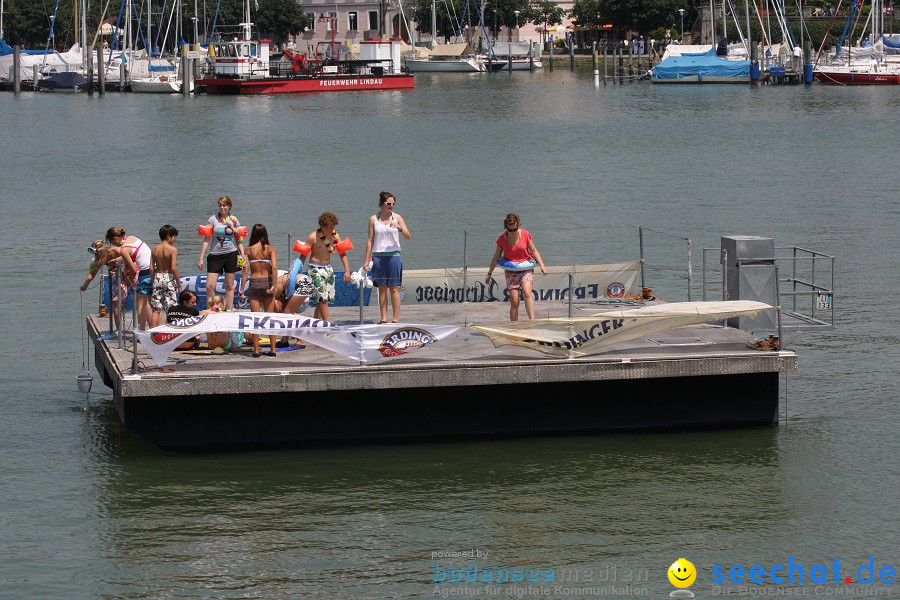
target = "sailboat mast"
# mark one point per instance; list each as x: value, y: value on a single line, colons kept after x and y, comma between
x: 84, y: 48
x: 433, y: 23
x: 149, y: 29
x: 1, y: 19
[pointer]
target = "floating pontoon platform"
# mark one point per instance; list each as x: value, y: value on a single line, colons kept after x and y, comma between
x: 702, y: 376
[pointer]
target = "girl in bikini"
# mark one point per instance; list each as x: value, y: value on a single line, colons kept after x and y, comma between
x: 262, y: 265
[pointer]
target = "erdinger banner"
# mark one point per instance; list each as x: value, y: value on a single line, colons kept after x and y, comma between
x: 571, y: 337
x: 365, y: 343
x: 591, y: 282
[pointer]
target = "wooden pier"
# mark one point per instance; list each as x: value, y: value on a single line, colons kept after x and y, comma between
x: 692, y: 377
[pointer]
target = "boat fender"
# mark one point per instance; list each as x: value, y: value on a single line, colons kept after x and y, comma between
x: 522, y: 265
x: 344, y: 246
x: 303, y: 249
x: 292, y: 278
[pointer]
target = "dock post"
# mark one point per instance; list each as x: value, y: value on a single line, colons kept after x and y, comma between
x: 134, y: 328
x: 17, y: 77
x: 807, y: 68
x: 572, y: 55
x: 509, y: 59
x: 362, y: 289
x: 594, y: 62
x: 621, y: 67
x: 778, y: 302
x: 122, y: 76
x: 466, y: 265
x: 724, y: 274
x: 35, y: 75
x: 109, y: 287
x: 551, y: 56
x: 185, y: 67
x: 571, y: 291
x: 703, y: 279
x: 754, y: 65
x: 89, y: 57
x: 101, y: 70
x: 641, y: 240
x: 690, y: 275
x: 605, y: 69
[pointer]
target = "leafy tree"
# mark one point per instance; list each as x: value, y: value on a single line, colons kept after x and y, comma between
x: 280, y: 19
x: 589, y: 14
x: 545, y: 12
x: 643, y: 15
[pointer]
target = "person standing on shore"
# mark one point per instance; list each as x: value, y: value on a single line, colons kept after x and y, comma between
x: 383, y: 254
x: 223, y: 255
x: 517, y: 248
x: 323, y: 242
x: 140, y: 255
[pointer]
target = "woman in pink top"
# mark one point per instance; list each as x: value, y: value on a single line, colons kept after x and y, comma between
x: 516, y: 246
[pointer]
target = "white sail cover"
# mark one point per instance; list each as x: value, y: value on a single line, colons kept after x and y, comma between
x: 365, y: 343
x: 572, y: 337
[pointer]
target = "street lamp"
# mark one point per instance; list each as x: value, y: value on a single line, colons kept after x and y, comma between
x: 516, y: 12
x: 681, y: 15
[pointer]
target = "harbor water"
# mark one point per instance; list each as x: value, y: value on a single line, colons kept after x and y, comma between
x: 91, y: 511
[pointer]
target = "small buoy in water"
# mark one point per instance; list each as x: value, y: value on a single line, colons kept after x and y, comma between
x: 84, y: 379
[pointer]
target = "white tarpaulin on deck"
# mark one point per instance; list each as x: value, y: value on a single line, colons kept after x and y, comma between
x: 365, y: 343
x: 570, y: 337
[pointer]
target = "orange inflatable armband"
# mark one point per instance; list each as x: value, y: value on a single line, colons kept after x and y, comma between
x: 205, y: 230
x: 241, y: 232
x: 303, y: 249
x: 343, y: 246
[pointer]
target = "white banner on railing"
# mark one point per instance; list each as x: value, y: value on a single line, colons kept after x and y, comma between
x: 570, y: 337
x: 365, y: 343
x: 591, y: 282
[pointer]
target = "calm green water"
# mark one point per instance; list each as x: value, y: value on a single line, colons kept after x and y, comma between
x: 89, y: 510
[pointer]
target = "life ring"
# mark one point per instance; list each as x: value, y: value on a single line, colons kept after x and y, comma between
x: 521, y: 265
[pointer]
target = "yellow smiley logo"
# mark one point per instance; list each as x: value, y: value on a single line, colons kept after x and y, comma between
x: 682, y: 573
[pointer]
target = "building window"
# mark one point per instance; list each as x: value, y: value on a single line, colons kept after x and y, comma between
x: 352, y: 21
x: 310, y: 21
x: 373, y: 20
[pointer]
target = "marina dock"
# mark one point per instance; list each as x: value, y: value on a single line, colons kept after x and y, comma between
x: 692, y: 377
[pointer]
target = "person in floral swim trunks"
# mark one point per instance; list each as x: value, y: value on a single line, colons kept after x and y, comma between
x: 323, y: 243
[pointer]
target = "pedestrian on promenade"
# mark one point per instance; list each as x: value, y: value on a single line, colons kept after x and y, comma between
x: 383, y: 254
x: 517, y: 255
x: 224, y: 242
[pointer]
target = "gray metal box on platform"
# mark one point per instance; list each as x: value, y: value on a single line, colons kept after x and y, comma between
x: 749, y: 263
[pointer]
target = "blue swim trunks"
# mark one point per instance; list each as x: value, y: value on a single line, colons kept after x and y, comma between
x: 144, y: 283
x: 387, y: 270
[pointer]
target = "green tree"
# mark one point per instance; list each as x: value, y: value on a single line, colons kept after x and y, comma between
x: 589, y: 13
x: 279, y: 19
x: 643, y: 15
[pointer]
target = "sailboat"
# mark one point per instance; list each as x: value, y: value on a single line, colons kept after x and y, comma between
x: 448, y: 58
x: 863, y: 66
x: 163, y: 77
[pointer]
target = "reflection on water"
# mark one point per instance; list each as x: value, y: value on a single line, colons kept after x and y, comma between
x: 316, y: 521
